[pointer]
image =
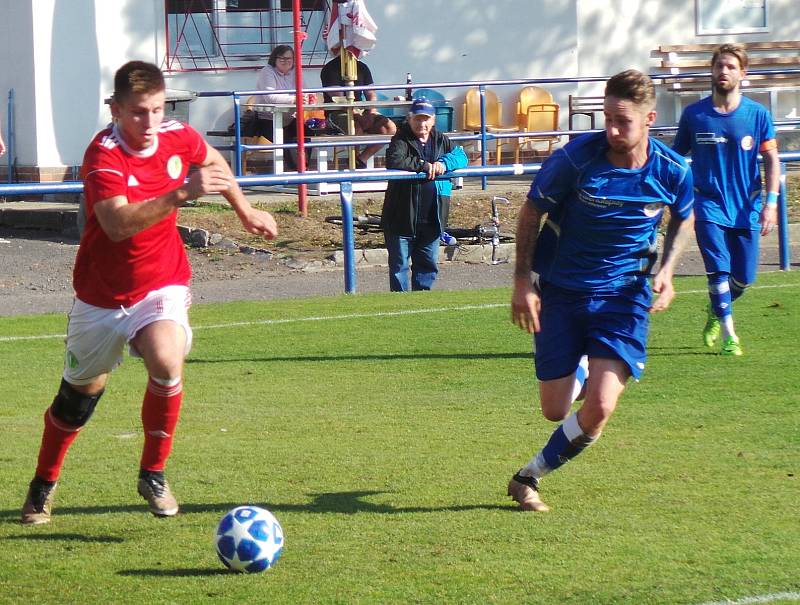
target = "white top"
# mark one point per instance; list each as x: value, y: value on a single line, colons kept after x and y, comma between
x: 270, y: 78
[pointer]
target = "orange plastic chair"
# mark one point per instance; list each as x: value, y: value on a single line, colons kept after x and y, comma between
x: 471, y: 116
x: 537, y: 112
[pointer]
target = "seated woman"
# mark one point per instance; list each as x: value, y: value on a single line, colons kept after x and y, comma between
x: 278, y: 74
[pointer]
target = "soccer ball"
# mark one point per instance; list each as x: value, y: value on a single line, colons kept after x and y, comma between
x: 249, y: 539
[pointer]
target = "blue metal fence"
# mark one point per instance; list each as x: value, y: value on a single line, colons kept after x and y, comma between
x: 483, y: 135
x: 10, y: 137
x: 346, y: 178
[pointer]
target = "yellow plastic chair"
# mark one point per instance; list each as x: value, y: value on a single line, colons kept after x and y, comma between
x: 471, y: 116
x: 537, y: 112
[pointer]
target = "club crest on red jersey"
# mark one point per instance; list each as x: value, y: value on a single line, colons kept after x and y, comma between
x: 174, y: 167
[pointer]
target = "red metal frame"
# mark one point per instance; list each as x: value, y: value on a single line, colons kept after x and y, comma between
x: 210, y: 60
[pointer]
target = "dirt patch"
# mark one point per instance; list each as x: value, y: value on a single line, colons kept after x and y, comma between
x: 313, y: 235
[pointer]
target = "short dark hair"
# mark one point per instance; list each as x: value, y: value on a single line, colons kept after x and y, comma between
x: 634, y: 86
x: 277, y: 51
x: 737, y: 50
x: 137, y: 77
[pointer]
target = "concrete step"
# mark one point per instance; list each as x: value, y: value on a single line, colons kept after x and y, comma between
x: 60, y: 217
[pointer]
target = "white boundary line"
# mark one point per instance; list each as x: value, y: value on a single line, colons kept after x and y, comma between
x: 767, y: 598
x: 270, y: 322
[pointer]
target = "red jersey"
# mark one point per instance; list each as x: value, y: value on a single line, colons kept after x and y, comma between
x: 112, y: 274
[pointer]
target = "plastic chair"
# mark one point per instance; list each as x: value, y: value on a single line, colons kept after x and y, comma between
x: 537, y: 112
x: 259, y: 140
x: 398, y: 116
x: 494, y: 118
x: 443, y: 107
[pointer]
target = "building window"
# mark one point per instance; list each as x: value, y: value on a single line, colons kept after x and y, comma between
x: 731, y: 16
x: 238, y: 34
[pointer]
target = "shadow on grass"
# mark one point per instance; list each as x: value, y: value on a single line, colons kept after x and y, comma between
x: 56, y: 537
x: 347, y: 503
x: 676, y: 351
x: 380, y: 357
x: 177, y: 573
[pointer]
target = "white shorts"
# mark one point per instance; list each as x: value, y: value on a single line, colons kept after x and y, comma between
x: 96, y: 336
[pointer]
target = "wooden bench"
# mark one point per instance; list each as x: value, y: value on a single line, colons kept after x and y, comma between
x: 584, y: 106
x: 696, y: 59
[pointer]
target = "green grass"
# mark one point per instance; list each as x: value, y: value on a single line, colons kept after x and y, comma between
x: 381, y: 430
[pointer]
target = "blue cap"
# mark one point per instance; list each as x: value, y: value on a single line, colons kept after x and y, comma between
x: 422, y: 107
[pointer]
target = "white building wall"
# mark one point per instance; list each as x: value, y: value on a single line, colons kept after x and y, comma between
x: 60, y: 55
x: 17, y: 73
x: 619, y: 34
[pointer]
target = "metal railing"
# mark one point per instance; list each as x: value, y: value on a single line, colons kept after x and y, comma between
x: 483, y: 136
x: 11, y: 139
x: 346, y: 178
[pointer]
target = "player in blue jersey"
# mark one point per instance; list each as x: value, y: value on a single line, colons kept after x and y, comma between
x: 604, y: 195
x: 724, y: 133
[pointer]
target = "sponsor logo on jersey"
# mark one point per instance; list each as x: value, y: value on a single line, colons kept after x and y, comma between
x: 174, y: 167
x: 132, y: 182
x: 72, y: 361
x: 709, y: 138
x: 747, y: 143
x: 598, y: 202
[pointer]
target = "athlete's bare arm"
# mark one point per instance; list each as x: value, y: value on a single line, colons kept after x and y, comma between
x: 120, y: 220
x: 255, y: 221
x: 772, y: 181
x: 679, y: 234
x: 525, y: 302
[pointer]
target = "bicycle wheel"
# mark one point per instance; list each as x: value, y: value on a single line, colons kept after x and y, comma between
x: 334, y: 220
x: 369, y: 222
x: 464, y: 233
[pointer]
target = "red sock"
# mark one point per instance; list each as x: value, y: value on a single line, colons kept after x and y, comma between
x: 56, y: 439
x: 160, y: 411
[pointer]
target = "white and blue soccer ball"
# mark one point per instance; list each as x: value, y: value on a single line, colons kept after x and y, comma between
x: 249, y: 539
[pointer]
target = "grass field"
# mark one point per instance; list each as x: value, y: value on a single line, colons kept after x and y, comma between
x: 381, y: 430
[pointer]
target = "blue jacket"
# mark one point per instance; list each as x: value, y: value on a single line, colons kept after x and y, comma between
x: 400, y: 204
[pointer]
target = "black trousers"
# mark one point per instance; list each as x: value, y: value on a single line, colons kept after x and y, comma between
x: 264, y: 127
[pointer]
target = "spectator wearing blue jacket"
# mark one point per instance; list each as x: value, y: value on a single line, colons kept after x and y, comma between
x: 414, y: 211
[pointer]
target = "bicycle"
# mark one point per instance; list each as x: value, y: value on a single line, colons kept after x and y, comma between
x: 480, y: 234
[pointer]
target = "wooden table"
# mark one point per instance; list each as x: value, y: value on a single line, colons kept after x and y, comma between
x: 278, y: 110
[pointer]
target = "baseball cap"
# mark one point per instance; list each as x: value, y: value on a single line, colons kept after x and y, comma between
x: 422, y: 106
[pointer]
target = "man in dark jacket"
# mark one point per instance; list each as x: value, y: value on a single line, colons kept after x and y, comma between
x: 415, y: 212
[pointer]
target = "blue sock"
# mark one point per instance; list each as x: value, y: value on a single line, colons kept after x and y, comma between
x: 566, y: 442
x: 737, y: 289
x: 719, y: 292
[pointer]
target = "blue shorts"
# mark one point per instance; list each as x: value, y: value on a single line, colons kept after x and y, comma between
x: 728, y: 250
x: 610, y: 325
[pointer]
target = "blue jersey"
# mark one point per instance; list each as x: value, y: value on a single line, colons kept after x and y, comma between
x: 602, y: 221
x: 724, y: 151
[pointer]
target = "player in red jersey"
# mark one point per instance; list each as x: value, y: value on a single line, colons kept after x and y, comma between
x: 131, y: 278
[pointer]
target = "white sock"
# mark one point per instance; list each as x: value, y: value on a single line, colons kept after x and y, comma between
x: 726, y: 328
x: 536, y: 467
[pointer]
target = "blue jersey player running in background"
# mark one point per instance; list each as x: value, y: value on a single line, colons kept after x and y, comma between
x: 724, y: 133
x: 604, y: 195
